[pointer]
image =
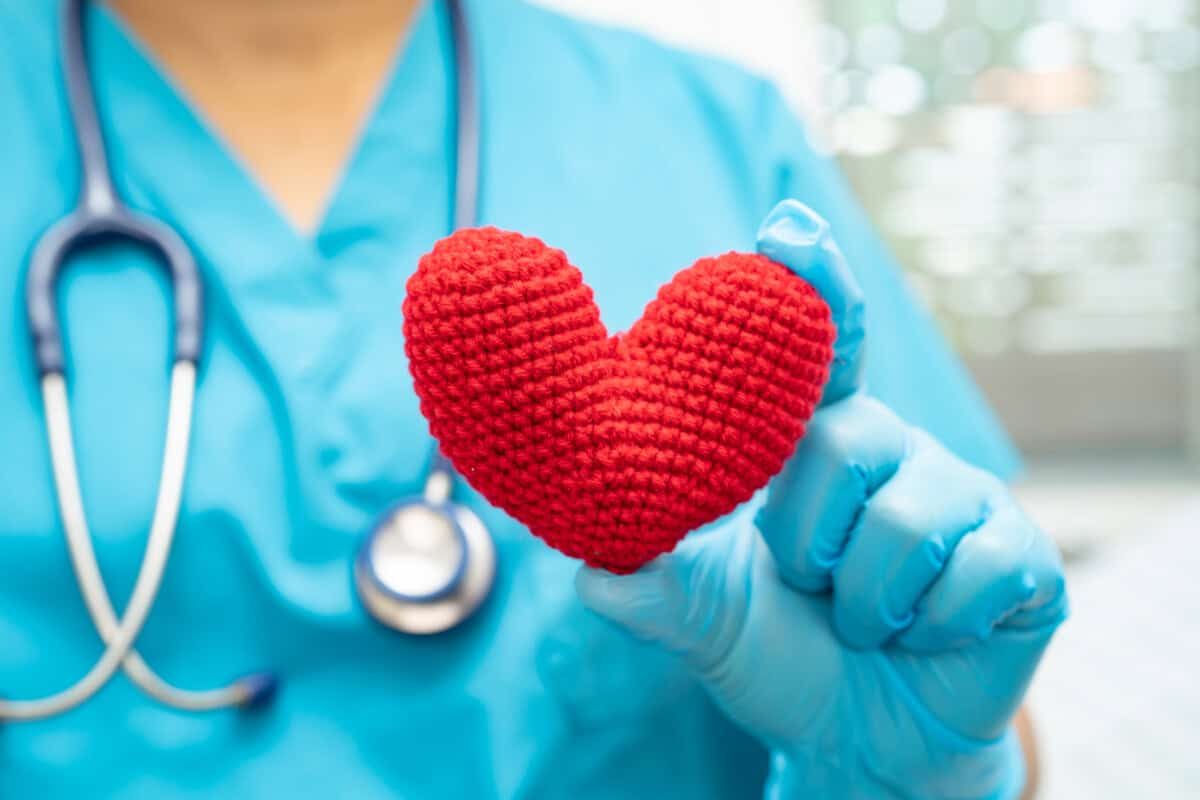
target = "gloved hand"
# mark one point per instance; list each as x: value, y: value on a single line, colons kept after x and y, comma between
x: 878, y: 621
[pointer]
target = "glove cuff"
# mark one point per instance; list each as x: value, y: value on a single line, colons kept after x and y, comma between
x: 953, y: 768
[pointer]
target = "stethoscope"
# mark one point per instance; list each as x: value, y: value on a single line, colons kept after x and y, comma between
x: 425, y: 567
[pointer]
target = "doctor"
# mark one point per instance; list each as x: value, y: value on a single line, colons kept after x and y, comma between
x: 866, y: 630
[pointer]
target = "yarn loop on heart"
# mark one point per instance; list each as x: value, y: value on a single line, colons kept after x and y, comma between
x: 611, y: 449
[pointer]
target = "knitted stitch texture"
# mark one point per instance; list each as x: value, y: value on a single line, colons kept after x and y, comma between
x: 611, y: 449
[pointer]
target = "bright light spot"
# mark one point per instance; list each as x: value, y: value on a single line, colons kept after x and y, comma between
x: 1105, y: 15
x: 1048, y: 46
x: 879, y: 45
x: 863, y: 132
x: 897, y: 90
x: 978, y: 129
x: 921, y: 15
x: 953, y: 257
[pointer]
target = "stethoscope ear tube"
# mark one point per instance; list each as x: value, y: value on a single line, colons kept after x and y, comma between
x: 468, y: 145
x: 83, y: 228
x: 100, y: 216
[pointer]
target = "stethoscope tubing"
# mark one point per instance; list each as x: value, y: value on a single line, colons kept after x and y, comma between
x: 118, y: 637
x: 467, y: 148
x: 100, y: 215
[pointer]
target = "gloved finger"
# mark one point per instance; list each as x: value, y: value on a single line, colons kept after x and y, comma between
x: 798, y: 238
x: 906, y: 533
x: 850, y: 449
x: 1006, y: 574
x: 680, y: 600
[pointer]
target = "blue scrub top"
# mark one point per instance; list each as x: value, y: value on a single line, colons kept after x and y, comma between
x: 634, y: 158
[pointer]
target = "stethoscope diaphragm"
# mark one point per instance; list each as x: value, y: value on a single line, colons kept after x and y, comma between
x: 425, y: 567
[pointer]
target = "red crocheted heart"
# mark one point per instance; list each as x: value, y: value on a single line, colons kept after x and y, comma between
x: 612, y: 448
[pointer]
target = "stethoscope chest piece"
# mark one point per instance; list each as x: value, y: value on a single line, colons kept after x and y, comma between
x: 425, y: 567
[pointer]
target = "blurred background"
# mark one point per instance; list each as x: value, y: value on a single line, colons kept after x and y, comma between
x: 1034, y: 164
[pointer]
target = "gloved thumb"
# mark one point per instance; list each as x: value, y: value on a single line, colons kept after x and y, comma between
x: 798, y: 238
x: 681, y: 600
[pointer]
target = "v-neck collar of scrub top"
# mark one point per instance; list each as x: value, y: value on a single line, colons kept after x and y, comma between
x: 168, y: 160
x: 307, y: 314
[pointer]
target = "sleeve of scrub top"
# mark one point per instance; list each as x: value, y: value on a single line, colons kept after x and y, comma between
x: 909, y: 365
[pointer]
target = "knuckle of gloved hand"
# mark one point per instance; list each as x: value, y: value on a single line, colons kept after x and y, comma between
x: 828, y: 437
x: 976, y: 493
x: 985, y: 485
x: 1047, y: 604
x: 1011, y: 585
x: 847, y: 431
x: 900, y: 519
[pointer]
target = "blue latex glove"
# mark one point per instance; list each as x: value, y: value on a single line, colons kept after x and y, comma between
x: 878, y: 622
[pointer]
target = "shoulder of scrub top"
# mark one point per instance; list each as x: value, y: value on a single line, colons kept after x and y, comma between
x: 622, y: 81
x: 910, y: 366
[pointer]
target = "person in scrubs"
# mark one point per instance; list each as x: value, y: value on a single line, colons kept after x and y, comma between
x: 866, y: 630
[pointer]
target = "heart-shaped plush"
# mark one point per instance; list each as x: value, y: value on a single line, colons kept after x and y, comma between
x: 612, y: 448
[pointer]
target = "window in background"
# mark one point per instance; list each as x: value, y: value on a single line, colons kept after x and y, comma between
x: 1033, y: 164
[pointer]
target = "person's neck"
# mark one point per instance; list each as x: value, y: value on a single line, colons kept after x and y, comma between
x: 264, y: 34
x: 286, y: 82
